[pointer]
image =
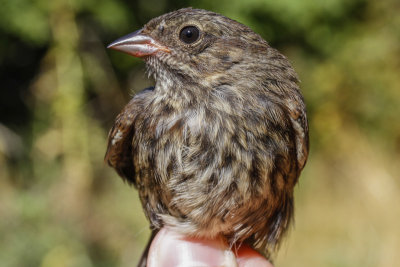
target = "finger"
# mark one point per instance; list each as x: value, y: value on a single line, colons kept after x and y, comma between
x: 248, y: 257
x: 172, y: 249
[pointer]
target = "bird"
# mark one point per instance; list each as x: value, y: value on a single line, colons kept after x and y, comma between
x: 217, y: 145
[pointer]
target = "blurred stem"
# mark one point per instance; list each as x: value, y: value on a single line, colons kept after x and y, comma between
x: 68, y: 109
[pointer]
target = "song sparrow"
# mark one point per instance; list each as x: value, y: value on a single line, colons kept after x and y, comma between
x: 217, y: 145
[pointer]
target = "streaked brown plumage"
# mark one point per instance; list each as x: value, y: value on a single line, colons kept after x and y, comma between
x: 216, y: 147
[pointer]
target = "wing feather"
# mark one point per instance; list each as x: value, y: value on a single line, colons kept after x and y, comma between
x: 119, y: 150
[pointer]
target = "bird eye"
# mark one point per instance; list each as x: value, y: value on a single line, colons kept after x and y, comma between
x: 189, y: 34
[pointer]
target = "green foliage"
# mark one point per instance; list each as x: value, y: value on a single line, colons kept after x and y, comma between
x: 60, y: 91
x: 25, y: 19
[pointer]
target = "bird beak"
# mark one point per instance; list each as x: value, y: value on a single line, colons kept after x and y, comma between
x: 137, y: 45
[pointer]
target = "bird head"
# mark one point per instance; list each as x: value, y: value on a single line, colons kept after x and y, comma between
x: 203, y: 48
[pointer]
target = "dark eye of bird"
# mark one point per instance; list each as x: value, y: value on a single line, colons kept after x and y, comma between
x: 189, y: 34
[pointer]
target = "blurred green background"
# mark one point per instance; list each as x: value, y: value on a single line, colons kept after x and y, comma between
x: 61, y: 90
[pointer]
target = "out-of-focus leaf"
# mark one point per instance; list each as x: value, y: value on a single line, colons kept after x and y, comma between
x: 24, y: 19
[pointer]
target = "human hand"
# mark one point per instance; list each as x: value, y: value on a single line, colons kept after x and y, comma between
x: 173, y: 249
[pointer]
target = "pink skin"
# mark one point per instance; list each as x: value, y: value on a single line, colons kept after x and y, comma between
x: 172, y: 249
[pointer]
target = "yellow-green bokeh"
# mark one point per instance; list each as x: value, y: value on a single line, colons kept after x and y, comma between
x: 60, y: 91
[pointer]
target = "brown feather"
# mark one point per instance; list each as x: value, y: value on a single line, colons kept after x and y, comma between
x: 217, y: 147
